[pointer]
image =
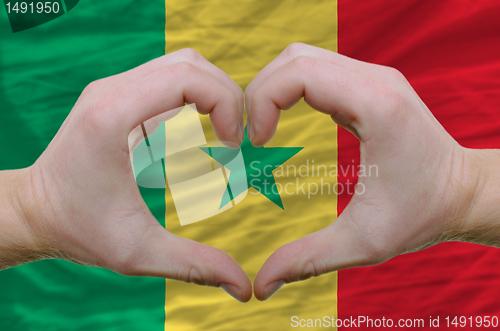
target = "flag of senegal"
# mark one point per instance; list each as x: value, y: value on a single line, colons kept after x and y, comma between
x: 42, y: 72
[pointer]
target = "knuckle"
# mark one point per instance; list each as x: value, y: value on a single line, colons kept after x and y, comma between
x: 191, y: 274
x: 189, y: 54
x: 195, y: 277
x: 93, y: 88
x: 193, y: 271
x: 394, y: 74
x: 295, y: 49
x: 391, y: 101
x: 98, y: 114
x: 304, y: 63
x: 310, y: 269
x: 181, y: 69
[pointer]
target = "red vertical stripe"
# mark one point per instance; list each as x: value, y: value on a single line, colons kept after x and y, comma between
x: 449, y: 50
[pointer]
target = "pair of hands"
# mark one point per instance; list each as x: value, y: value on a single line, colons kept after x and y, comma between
x: 80, y: 202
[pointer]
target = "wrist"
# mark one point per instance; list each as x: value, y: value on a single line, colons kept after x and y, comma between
x: 480, y: 220
x: 19, y: 242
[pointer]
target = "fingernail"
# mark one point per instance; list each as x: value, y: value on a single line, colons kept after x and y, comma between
x: 232, y: 290
x: 241, y: 131
x: 272, y: 288
x: 250, y: 130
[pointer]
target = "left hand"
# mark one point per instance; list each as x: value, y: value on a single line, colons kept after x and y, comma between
x: 80, y: 202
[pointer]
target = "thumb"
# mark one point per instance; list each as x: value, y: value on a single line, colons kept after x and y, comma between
x: 332, y: 248
x: 169, y: 256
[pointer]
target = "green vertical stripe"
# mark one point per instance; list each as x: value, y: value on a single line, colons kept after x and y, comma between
x: 42, y: 72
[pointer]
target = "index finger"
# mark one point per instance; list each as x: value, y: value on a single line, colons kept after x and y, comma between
x: 326, y: 87
x: 183, y: 55
x: 116, y: 114
x: 295, y: 50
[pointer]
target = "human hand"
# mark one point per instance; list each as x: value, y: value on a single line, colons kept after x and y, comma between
x: 426, y: 182
x: 80, y: 202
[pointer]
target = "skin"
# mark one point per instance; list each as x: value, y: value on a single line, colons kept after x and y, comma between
x: 80, y: 202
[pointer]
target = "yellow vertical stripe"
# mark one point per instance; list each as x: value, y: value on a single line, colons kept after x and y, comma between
x: 166, y: 199
x: 166, y: 21
x: 241, y: 37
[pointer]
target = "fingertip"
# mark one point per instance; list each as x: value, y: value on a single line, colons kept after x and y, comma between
x: 233, y: 291
x: 246, y: 292
x: 264, y: 292
x: 228, y: 132
x: 286, y: 265
x: 241, y: 292
x: 258, y: 138
x: 272, y: 288
x: 263, y: 116
x: 230, y: 144
x: 193, y: 262
x: 258, y: 290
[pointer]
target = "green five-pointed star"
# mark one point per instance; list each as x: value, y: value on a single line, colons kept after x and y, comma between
x: 259, y: 163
